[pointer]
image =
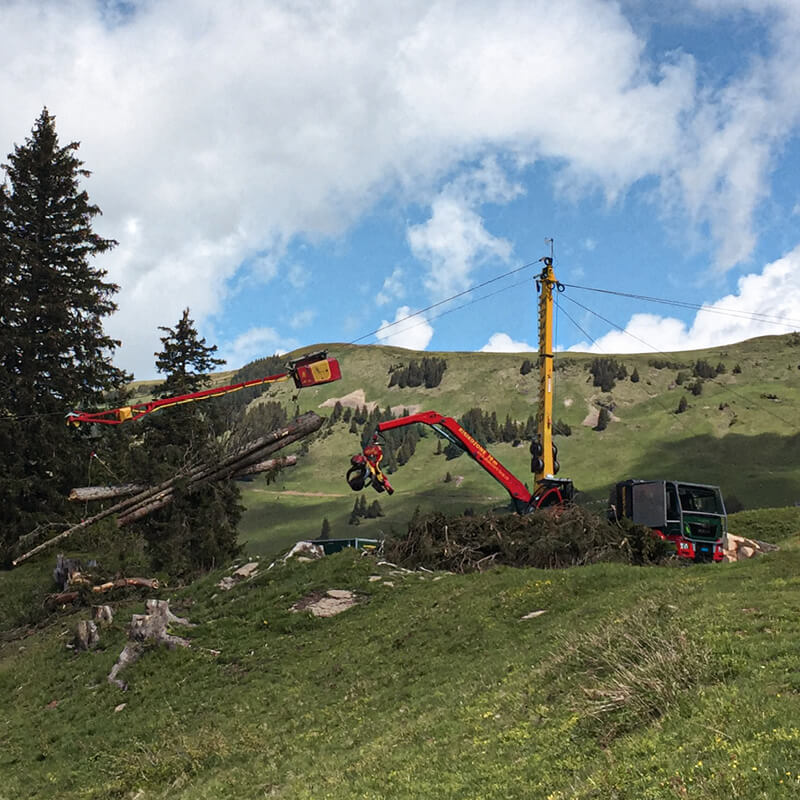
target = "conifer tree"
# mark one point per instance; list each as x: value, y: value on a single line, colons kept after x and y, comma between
x: 54, y: 354
x: 197, y: 530
x: 325, y: 530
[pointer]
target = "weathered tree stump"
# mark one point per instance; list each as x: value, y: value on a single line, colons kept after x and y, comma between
x: 86, y: 636
x: 144, y: 628
x: 102, y: 615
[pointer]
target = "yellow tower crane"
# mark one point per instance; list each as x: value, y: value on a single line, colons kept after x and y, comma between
x: 549, y: 490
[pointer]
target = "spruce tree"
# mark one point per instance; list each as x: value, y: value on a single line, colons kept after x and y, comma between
x: 197, y: 531
x: 54, y: 354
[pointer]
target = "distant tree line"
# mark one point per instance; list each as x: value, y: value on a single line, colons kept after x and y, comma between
x: 260, y: 368
x: 362, y: 510
x: 428, y: 372
x: 606, y: 372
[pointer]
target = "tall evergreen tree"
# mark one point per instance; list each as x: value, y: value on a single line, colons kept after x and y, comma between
x: 54, y: 354
x: 198, y: 529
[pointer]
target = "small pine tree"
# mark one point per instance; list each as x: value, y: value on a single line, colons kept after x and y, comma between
x: 527, y: 366
x: 737, y: 370
x: 682, y: 405
x: 697, y: 387
x: 561, y: 428
x: 325, y: 532
x: 198, y: 530
x: 635, y: 375
x: 603, y: 418
x: 448, y: 478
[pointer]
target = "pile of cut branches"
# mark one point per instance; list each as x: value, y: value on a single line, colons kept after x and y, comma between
x: 544, y: 539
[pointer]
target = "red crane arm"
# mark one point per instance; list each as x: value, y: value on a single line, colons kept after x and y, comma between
x: 452, y: 431
x: 309, y: 370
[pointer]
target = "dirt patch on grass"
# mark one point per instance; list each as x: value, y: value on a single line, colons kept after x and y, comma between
x: 590, y: 420
x: 398, y: 410
x: 356, y: 399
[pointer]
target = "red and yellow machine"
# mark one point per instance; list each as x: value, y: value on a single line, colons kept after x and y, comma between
x: 311, y: 369
x: 365, y: 467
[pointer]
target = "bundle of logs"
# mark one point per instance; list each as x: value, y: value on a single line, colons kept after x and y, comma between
x: 143, y: 500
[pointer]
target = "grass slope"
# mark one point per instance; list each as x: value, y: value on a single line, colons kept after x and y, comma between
x: 635, y: 683
x: 741, y: 433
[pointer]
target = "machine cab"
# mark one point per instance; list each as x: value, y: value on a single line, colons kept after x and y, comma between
x: 691, y: 515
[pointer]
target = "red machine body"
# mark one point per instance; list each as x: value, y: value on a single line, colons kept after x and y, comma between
x: 365, y: 467
x: 311, y: 369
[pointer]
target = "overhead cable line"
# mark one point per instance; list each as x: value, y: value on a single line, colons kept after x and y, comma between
x: 446, y: 300
x: 424, y: 320
x: 730, y: 312
x: 660, y: 352
x: 684, y: 424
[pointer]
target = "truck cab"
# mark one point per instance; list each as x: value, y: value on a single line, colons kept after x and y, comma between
x: 691, y: 515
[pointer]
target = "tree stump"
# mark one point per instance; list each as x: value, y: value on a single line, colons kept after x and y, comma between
x: 150, y: 627
x: 86, y: 636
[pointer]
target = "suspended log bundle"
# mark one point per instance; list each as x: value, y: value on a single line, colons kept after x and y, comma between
x: 250, y: 458
x: 88, y: 493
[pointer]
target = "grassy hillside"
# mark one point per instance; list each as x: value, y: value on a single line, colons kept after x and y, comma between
x: 634, y: 683
x: 741, y: 433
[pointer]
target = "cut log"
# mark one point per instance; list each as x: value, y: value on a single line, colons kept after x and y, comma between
x: 88, y: 493
x: 84, y: 493
x: 73, y: 594
x: 245, y: 457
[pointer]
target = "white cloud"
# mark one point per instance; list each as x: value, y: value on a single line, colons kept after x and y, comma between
x: 300, y: 319
x: 217, y: 132
x: 454, y: 240
x: 415, y: 333
x: 503, y: 343
x: 765, y: 303
x: 254, y: 343
x: 393, y: 288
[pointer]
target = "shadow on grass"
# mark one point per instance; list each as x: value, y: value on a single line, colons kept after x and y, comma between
x: 761, y: 471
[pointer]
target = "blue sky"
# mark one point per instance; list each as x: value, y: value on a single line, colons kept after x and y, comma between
x: 299, y: 172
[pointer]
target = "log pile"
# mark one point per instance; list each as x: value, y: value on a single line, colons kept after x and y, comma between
x: 250, y: 458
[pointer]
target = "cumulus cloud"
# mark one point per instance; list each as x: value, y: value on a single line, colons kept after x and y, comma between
x: 393, y: 288
x: 255, y: 343
x: 503, y: 343
x: 764, y: 303
x: 454, y: 240
x: 415, y: 333
x: 219, y: 132
x: 300, y: 319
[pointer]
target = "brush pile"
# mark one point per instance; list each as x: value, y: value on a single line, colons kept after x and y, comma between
x: 545, y: 539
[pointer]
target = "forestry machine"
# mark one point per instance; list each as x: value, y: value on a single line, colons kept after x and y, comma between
x: 365, y: 467
x: 311, y: 369
x: 690, y: 515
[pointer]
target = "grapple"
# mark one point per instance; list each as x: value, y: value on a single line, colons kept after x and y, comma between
x: 365, y: 470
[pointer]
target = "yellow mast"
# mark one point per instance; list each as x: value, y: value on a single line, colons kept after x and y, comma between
x: 542, y: 463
